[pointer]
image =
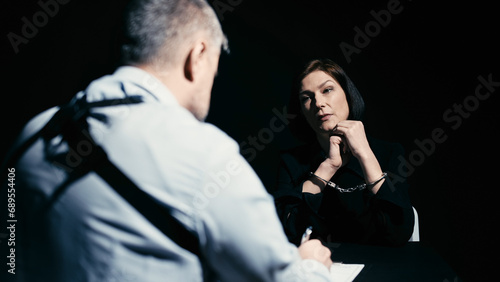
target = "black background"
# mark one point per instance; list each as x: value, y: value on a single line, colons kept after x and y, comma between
x: 423, y: 62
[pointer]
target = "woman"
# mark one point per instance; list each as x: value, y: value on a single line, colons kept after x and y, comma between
x: 339, y: 181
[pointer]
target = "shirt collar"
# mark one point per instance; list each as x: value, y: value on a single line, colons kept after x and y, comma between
x: 148, y: 82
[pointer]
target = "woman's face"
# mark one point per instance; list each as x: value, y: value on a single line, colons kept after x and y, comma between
x: 324, y: 103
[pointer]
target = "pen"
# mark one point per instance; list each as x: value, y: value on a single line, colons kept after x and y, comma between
x: 306, y: 235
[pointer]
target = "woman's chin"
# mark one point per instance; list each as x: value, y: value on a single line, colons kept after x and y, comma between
x: 324, y: 131
x: 327, y: 128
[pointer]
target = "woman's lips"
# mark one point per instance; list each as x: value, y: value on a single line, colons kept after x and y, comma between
x: 324, y: 117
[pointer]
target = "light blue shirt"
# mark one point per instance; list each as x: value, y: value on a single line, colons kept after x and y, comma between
x: 92, y: 234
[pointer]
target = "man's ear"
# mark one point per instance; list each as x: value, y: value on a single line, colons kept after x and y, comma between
x: 193, y: 60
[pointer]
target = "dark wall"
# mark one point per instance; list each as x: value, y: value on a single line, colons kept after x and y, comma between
x: 418, y: 66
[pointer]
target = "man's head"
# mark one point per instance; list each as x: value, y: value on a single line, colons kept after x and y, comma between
x: 179, y: 42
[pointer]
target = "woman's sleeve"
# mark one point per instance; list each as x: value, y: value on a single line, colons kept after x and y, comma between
x: 391, y: 210
x: 296, y: 210
x: 385, y: 218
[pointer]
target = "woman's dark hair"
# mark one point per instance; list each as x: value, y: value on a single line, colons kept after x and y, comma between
x: 299, y: 126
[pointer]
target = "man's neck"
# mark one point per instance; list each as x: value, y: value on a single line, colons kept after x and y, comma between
x: 173, y: 80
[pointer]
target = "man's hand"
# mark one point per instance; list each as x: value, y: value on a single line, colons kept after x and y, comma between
x: 313, y: 249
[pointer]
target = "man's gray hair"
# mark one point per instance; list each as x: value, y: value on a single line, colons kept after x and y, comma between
x: 155, y: 29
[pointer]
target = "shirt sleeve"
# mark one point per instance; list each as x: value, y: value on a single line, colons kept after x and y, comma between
x: 241, y: 235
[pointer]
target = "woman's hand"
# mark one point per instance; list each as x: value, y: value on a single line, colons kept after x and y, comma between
x: 334, y: 158
x: 327, y: 168
x: 351, y: 134
x: 354, y: 137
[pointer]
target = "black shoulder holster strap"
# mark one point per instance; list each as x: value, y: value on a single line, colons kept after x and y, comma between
x: 71, y: 123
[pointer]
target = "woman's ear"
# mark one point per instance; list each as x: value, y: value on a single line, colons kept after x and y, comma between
x: 193, y: 62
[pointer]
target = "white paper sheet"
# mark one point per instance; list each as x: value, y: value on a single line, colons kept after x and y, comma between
x: 345, y: 272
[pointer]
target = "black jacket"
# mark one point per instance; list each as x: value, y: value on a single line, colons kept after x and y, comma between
x: 385, y: 218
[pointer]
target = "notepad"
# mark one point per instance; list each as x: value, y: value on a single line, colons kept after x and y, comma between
x: 345, y: 272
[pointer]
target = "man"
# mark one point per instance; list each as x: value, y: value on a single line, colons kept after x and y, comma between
x: 88, y: 232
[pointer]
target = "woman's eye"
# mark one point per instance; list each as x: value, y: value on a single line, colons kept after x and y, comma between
x: 328, y: 90
x: 304, y: 99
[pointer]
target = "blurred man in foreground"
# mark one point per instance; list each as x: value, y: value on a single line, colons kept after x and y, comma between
x: 75, y: 226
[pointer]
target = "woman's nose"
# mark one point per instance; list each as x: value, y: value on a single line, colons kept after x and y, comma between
x: 319, y: 101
